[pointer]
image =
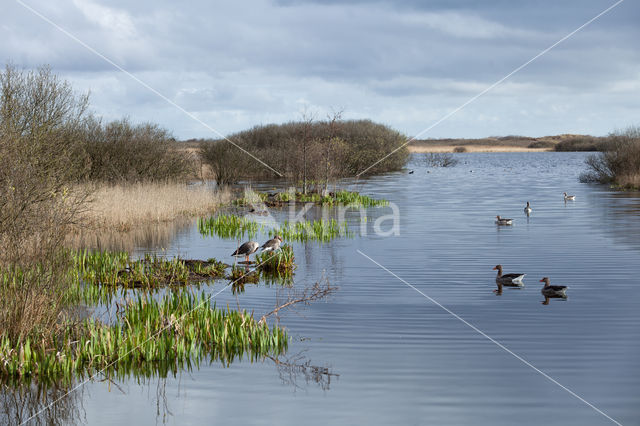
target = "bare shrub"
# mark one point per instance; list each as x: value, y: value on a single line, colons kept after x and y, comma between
x: 581, y: 143
x: 440, y: 159
x: 319, y: 150
x: 619, y: 163
x: 227, y: 162
x: 123, y: 152
x: 41, y: 154
x: 459, y: 149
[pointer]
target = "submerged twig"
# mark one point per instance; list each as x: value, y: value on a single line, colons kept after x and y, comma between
x: 315, y: 292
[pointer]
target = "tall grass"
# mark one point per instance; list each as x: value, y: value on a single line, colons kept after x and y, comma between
x: 228, y: 226
x: 318, y: 230
x: 124, y: 206
x: 34, y: 299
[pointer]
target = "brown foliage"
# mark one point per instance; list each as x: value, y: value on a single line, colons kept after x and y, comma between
x: 581, y: 143
x: 40, y: 155
x: 322, y: 149
x: 119, y: 151
x: 619, y: 163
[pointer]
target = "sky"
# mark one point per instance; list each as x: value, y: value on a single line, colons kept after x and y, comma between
x: 219, y: 67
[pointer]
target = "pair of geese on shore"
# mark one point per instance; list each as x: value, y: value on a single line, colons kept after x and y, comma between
x: 250, y: 247
x: 527, y: 209
x: 515, y: 280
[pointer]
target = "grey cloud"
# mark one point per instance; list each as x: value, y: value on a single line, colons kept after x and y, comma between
x: 403, y: 63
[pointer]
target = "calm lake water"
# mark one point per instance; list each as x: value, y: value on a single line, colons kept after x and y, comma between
x: 396, y: 357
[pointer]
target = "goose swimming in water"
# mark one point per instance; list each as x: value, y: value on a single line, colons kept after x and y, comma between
x: 503, y: 221
x: 246, y: 249
x: 273, y: 244
x: 553, y: 290
x: 569, y: 197
x: 528, y: 209
x: 508, y: 279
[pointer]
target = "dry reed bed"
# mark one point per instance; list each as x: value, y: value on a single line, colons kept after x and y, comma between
x: 124, y: 206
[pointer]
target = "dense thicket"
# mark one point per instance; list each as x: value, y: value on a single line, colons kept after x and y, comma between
x: 619, y: 162
x: 582, y: 143
x: 316, y: 150
x: 119, y: 151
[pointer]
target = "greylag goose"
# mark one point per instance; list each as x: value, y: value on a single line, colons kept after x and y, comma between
x: 503, y: 221
x: 273, y: 244
x: 553, y: 290
x: 508, y: 279
x: 246, y: 249
x: 569, y: 197
x: 528, y: 209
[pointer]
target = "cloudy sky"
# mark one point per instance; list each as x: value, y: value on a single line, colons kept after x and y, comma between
x: 404, y: 63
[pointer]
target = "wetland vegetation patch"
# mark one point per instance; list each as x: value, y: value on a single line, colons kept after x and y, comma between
x: 181, y: 328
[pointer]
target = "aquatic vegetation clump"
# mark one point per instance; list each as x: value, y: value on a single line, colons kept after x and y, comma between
x: 280, y: 262
x: 251, y: 197
x: 117, y: 269
x: 318, y: 230
x: 355, y: 199
x: 346, y: 198
x: 228, y: 226
x: 181, y: 328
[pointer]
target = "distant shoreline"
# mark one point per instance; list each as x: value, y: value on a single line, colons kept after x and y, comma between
x: 473, y: 148
x: 494, y: 144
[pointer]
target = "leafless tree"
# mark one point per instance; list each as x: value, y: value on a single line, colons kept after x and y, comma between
x: 41, y: 155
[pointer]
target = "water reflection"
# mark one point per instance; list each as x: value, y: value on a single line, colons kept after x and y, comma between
x: 41, y: 405
x: 142, y: 237
x: 295, y: 369
x: 619, y: 214
x: 547, y: 298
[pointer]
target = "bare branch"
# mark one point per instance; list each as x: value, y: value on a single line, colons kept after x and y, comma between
x: 318, y: 291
